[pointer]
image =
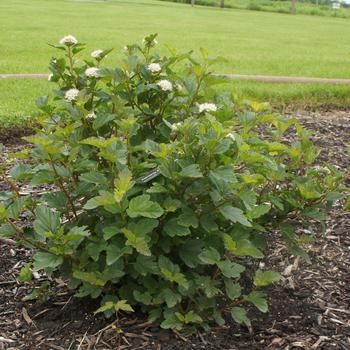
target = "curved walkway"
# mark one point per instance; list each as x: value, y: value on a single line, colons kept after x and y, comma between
x: 261, y: 78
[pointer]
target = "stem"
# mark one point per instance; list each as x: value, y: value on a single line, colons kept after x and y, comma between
x: 11, y: 184
x: 37, y: 245
x: 15, y: 189
x: 61, y: 185
x: 199, y: 84
x: 70, y: 58
x: 22, y: 236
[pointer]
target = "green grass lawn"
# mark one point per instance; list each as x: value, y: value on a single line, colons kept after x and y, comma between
x: 252, y: 42
x: 280, y: 6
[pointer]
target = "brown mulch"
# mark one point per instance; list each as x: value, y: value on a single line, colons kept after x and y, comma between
x: 309, y: 308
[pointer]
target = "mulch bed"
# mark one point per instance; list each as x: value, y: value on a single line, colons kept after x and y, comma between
x: 309, y: 308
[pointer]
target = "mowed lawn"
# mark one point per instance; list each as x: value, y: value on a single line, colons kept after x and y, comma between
x: 252, y: 42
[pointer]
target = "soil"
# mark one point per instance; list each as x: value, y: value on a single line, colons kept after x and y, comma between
x: 309, y: 308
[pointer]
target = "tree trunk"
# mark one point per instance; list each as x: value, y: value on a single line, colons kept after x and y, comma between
x: 192, y: 2
x: 222, y: 3
x: 294, y: 7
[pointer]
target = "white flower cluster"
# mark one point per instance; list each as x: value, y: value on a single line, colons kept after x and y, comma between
x: 71, y: 94
x: 176, y: 126
x: 92, y: 72
x: 96, y: 54
x: 165, y: 85
x: 91, y: 115
x: 207, y: 107
x: 68, y: 40
x: 154, y: 67
x: 231, y: 136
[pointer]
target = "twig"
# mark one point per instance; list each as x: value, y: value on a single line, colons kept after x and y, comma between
x: 2, y: 283
x: 133, y: 335
x: 81, y: 343
x: 339, y: 310
x: 180, y: 336
x: 105, y: 328
x: 8, y: 241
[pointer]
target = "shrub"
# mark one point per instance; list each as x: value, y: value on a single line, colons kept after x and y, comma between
x: 159, y: 198
x: 253, y: 6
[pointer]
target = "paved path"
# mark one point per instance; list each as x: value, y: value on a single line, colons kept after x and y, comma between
x: 262, y: 78
x: 24, y: 76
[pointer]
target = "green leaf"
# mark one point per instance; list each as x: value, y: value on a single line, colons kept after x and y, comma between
x: 208, y: 223
x: 104, y: 199
x: 258, y: 211
x: 25, y: 275
x: 94, y: 177
x: 233, y: 290
x: 109, y: 305
x: 173, y: 228
x: 77, y: 232
x: 21, y: 172
x: 171, y: 298
x: 308, y: 190
x: 16, y: 207
x: 102, y: 119
x: 113, y: 253
x: 223, y: 146
x: 143, y: 206
x: 209, y: 256
x: 99, y: 142
x: 6, y: 230
x: 239, y: 315
x: 229, y: 243
x: 146, y: 265
x: 347, y: 204
x: 171, y: 321
x: 264, y: 278
x: 111, y: 231
x: 230, y: 269
x: 208, y: 285
x: 223, y: 173
x: 119, y: 305
x: 123, y: 184
x: 144, y: 298
x: 188, y: 219
x: 244, y: 247
x: 171, y: 204
x: 258, y: 299
x: 192, y: 171
x: 143, y: 226
x: 57, y: 200
x: 43, y: 260
x: 136, y: 241
x: 172, y: 272
x: 190, y: 317
x: 189, y: 252
x: 218, y: 318
x: 46, y: 220
x: 3, y: 213
x: 298, y: 251
x: 89, y: 277
x: 235, y: 215
x: 93, y: 249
